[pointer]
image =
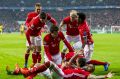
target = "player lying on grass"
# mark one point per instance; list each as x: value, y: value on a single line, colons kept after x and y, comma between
x: 77, y: 56
x: 66, y: 71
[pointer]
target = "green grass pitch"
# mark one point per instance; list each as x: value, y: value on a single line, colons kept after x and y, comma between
x: 12, y: 49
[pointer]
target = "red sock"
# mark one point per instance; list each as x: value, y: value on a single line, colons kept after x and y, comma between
x: 38, y: 57
x: 26, y: 57
x: 34, y: 57
x: 96, y: 62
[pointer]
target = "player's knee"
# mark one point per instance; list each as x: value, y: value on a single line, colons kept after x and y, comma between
x: 38, y: 49
x: 28, y: 49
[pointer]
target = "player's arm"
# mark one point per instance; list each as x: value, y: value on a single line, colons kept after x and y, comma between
x: 109, y: 75
x: 51, y: 19
x: 61, y: 25
x: 66, y: 42
x: 28, y: 19
x: 73, y: 58
x: 46, y: 48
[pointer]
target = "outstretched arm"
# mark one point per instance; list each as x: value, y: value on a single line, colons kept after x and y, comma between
x: 109, y: 75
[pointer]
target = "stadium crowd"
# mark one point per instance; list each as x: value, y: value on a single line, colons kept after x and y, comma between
x: 104, y: 17
x: 57, y: 3
x: 96, y: 17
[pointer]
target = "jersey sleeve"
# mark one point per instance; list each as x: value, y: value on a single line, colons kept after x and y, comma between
x: 51, y: 19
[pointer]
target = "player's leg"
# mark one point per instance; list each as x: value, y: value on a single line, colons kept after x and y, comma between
x: 57, y: 59
x: 35, y: 69
x: 34, y: 58
x: 38, y: 52
x: 77, y: 43
x: 88, y: 51
x: 26, y: 57
x: 38, y: 43
x: 96, y: 62
x: 28, y: 51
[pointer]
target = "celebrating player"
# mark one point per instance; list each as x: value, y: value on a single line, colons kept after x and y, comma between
x: 65, y: 73
x: 52, y: 45
x: 33, y: 32
x: 87, y: 41
x: 30, y: 16
x: 72, y: 32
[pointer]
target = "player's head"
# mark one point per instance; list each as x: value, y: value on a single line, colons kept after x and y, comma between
x: 73, y: 15
x: 89, y: 67
x: 81, y: 17
x: 81, y: 62
x: 54, y: 31
x: 38, y: 7
x: 43, y: 17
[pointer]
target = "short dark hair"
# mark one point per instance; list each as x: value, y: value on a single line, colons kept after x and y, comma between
x: 81, y: 16
x: 43, y: 15
x: 82, y: 62
x: 53, y: 28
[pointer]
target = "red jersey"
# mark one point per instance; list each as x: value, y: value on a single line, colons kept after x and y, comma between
x: 52, y: 45
x: 35, y: 26
x: 69, y: 55
x: 30, y: 16
x: 72, y: 27
x: 75, y: 73
x: 85, y: 31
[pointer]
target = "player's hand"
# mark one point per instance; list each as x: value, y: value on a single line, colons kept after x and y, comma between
x: 31, y: 47
x: 109, y: 75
